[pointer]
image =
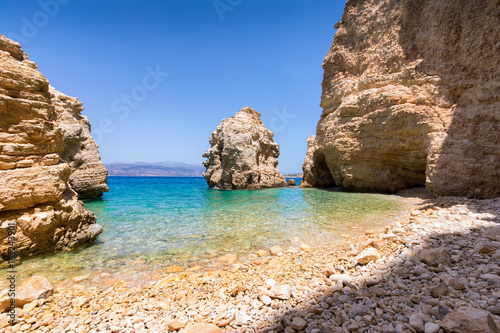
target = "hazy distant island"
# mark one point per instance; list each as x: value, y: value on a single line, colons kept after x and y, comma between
x: 163, y: 169
x: 158, y: 169
x: 293, y: 175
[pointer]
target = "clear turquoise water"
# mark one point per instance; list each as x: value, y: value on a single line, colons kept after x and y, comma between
x: 151, y: 223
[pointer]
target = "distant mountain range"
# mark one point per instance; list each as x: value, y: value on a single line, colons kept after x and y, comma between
x: 159, y: 169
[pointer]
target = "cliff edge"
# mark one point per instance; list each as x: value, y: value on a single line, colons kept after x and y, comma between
x: 411, y: 96
x: 243, y: 154
x: 45, y: 148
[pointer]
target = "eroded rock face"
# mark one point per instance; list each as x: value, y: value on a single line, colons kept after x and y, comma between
x: 411, y: 96
x: 88, y: 174
x: 243, y: 154
x: 39, y: 158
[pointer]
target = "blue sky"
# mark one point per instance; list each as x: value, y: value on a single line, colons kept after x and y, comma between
x: 157, y: 77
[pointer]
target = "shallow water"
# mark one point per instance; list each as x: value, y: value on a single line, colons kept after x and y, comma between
x: 152, y: 223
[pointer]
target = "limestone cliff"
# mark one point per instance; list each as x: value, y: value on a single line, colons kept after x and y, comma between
x: 88, y: 174
x: 411, y: 96
x: 243, y: 154
x: 39, y: 158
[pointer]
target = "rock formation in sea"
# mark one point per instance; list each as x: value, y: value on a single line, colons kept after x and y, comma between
x: 243, y: 154
x: 411, y: 96
x: 46, y: 152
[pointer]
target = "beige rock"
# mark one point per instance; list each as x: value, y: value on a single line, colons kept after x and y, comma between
x: 435, y: 257
x: 262, y: 253
x: 341, y: 277
x: 28, y: 307
x: 438, y: 290
x: 175, y: 325
x: 243, y: 154
x: 281, y: 291
x: 45, y: 146
x: 275, y: 250
x: 228, y: 258
x: 298, y: 323
x: 174, y: 269
x: 88, y: 174
x: 483, y: 247
x: 201, y: 328
x: 469, y: 320
x: 34, y: 288
x: 291, y: 182
x: 397, y: 111
x: 305, y: 247
x: 368, y: 255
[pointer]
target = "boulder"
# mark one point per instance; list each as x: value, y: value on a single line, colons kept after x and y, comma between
x: 243, y: 154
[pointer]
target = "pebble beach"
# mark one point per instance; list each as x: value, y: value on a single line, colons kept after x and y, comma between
x: 434, y: 270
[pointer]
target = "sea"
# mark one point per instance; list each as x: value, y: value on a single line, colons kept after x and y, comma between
x: 151, y: 223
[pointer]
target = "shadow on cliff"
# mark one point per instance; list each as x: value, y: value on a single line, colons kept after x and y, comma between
x: 456, y: 42
x: 397, y: 274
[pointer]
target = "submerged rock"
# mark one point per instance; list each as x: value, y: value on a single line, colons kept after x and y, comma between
x: 410, y: 98
x: 243, y: 154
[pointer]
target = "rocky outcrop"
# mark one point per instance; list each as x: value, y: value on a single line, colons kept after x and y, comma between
x: 43, y: 150
x: 88, y: 174
x: 243, y: 154
x: 411, y: 96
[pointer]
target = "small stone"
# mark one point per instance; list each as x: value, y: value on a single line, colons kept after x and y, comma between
x: 265, y: 299
x: 491, y: 279
x: 305, y: 248
x: 262, y: 253
x: 377, y: 291
x: 379, y: 244
x: 483, y: 247
x: 370, y: 254
x: 344, y: 298
x: 388, y: 328
x: 435, y: 257
x: 228, y: 258
x: 79, y: 279
x: 439, y: 290
x: 341, y: 277
x: 79, y: 301
x: 28, y: 307
x: 33, y: 288
x: 175, y: 269
x: 359, y: 310
x: 416, y: 322
x: 298, y: 323
x: 202, y: 328
x: 281, y: 291
x: 276, y: 250
x: 115, y: 329
x: 469, y: 320
x: 431, y: 328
